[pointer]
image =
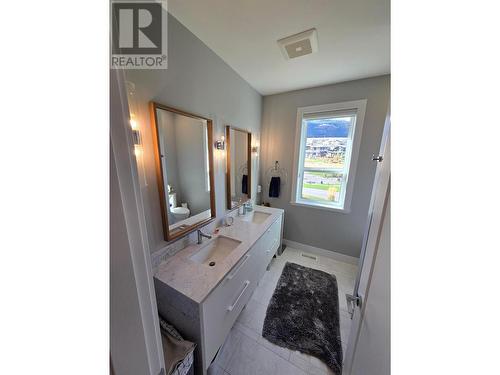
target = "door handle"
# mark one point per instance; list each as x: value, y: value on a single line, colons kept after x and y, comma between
x: 352, y: 303
x: 377, y: 158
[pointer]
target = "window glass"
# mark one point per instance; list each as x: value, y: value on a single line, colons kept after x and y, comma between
x: 326, y: 150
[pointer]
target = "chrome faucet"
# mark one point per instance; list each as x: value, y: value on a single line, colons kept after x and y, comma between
x: 201, y: 235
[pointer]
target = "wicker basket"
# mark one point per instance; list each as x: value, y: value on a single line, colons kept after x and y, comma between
x: 183, y: 367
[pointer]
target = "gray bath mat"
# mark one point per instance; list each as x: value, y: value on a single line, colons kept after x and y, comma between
x: 303, y: 314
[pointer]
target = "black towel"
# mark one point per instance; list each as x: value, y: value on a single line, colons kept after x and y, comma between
x: 274, y: 187
x: 244, y: 184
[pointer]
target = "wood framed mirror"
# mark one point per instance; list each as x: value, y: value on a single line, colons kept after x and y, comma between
x: 183, y: 148
x: 238, y: 166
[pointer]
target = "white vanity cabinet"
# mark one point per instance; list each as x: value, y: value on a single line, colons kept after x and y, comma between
x: 223, y: 305
x: 208, y: 323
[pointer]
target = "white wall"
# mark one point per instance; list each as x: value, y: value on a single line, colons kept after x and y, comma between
x: 197, y: 81
x: 324, y: 229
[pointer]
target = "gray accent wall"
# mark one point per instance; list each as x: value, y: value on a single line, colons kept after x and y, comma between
x: 200, y: 82
x: 339, y: 232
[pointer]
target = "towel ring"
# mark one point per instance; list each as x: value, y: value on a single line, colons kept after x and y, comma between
x: 243, y: 169
x: 276, y: 171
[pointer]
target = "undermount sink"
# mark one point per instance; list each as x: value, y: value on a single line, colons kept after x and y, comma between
x: 256, y: 217
x: 215, y: 251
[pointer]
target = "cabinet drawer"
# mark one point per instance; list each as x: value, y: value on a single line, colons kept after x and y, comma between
x: 224, y: 304
x: 272, y: 240
x: 266, y: 247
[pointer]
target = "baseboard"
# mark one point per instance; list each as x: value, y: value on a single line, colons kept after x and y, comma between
x: 318, y: 251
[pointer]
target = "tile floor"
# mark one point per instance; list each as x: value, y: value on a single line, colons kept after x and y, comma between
x: 247, y: 352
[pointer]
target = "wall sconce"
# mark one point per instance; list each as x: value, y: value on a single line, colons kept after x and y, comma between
x: 133, y: 123
x: 255, y: 147
x: 136, y: 135
x: 220, y: 144
x: 137, y: 150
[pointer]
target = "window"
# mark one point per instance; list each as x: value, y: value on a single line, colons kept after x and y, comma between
x: 328, y: 138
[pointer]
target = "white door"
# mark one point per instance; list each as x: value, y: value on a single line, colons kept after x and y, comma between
x: 368, y: 347
x: 135, y: 341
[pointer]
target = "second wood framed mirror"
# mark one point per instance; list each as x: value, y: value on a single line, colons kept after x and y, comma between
x: 183, y: 145
x: 238, y: 166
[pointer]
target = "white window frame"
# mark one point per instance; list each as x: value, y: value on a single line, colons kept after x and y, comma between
x: 357, y: 105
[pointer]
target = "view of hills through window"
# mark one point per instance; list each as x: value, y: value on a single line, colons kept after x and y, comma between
x: 326, y: 149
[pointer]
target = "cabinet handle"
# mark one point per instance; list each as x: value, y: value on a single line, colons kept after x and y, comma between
x: 231, y: 275
x: 230, y: 308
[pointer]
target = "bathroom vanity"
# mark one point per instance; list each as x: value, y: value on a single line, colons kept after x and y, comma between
x: 203, y: 288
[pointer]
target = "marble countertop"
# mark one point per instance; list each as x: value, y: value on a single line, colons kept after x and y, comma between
x: 196, y: 280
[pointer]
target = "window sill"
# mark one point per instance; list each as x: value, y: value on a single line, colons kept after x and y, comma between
x: 321, y: 207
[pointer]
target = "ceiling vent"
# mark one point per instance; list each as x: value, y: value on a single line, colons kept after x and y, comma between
x: 300, y: 44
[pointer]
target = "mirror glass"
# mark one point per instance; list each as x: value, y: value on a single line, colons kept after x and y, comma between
x: 185, y: 161
x: 238, y: 156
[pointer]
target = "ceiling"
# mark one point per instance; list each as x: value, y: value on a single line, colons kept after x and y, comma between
x: 353, y: 36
